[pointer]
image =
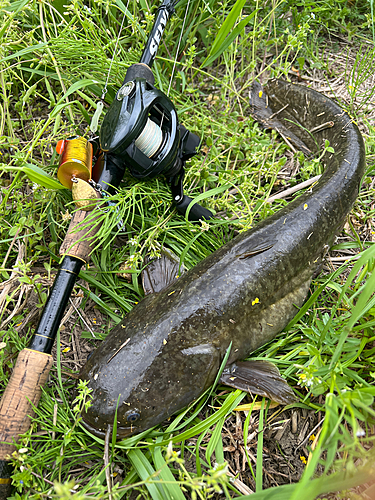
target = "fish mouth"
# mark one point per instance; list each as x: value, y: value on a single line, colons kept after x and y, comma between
x: 122, y: 432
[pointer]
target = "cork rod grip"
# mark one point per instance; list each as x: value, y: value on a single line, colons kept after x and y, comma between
x: 76, y: 242
x: 23, y: 391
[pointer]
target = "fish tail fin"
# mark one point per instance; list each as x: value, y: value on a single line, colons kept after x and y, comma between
x: 258, y: 377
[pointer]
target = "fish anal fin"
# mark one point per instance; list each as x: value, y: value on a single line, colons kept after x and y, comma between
x: 160, y: 272
x: 258, y: 377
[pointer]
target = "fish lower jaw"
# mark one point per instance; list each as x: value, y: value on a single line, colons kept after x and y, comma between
x: 122, y: 432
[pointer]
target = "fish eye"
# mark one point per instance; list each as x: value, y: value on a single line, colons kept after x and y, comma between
x: 132, y: 416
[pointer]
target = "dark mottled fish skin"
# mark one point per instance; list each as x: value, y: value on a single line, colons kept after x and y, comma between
x: 178, y: 337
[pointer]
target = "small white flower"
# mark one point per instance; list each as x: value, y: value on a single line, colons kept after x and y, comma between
x: 133, y: 242
x: 66, y: 216
x: 360, y: 432
x: 220, y: 469
x: 204, y: 225
x: 169, y: 450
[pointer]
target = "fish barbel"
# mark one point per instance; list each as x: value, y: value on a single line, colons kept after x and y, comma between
x: 169, y: 348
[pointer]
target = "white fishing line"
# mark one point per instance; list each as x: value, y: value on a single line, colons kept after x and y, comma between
x: 178, y: 47
x: 150, y: 139
x: 99, y: 107
x: 114, y: 52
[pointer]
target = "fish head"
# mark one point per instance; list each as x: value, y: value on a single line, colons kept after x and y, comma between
x: 142, y: 381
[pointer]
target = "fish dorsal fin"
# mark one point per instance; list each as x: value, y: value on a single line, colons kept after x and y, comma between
x: 161, y: 272
x: 258, y: 377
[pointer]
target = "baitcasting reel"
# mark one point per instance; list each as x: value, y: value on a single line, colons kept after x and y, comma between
x: 141, y: 128
x: 141, y: 131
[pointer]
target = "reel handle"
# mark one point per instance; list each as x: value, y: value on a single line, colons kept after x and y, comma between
x: 196, y: 213
x: 181, y: 201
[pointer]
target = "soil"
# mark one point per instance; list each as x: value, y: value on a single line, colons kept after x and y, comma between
x: 286, y: 439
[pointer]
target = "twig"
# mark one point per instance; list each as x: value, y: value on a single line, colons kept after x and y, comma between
x: 293, y: 189
x: 70, y: 311
x: 34, y: 312
x: 106, y: 461
x: 83, y: 319
x: 119, y: 349
x: 308, y: 436
x: 344, y: 259
x: 237, y: 483
x: 47, y: 480
x: 6, y: 289
x: 306, y: 77
x: 287, y: 140
x: 10, y: 247
x: 18, y: 307
x: 277, y: 112
x: 323, y: 126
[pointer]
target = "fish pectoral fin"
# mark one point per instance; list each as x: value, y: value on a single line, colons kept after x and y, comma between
x: 255, y: 247
x: 258, y: 377
x: 161, y: 272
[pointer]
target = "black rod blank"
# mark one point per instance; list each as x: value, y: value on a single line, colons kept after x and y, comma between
x: 45, y: 333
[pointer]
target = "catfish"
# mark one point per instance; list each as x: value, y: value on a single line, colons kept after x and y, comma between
x: 169, y: 348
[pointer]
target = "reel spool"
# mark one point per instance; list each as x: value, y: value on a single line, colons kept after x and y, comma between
x: 75, y: 160
x: 150, y: 139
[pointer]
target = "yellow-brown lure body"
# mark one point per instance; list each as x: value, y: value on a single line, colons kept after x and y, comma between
x: 84, y: 195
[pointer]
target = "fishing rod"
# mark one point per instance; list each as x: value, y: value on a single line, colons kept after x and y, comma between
x: 141, y: 132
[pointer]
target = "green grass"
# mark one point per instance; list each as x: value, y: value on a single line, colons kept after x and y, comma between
x: 53, y: 64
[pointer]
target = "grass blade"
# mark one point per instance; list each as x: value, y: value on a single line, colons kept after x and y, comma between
x: 145, y: 471
x: 215, y: 438
x: 171, y: 486
x: 259, y: 469
x: 230, y: 38
x: 224, y: 30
